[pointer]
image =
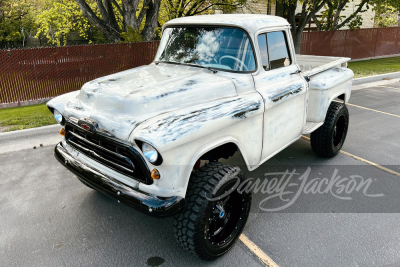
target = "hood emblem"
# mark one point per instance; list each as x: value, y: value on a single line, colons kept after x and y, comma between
x: 88, y: 124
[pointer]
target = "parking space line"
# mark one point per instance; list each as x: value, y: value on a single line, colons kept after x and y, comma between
x: 389, y: 87
x: 363, y: 160
x: 264, y: 258
x: 394, y: 115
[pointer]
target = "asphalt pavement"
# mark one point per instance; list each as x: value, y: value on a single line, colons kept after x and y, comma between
x: 48, y: 218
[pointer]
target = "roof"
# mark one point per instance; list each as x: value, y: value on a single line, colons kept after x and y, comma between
x: 250, y: 22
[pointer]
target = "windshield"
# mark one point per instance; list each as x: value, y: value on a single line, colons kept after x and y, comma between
x: 222, y: 48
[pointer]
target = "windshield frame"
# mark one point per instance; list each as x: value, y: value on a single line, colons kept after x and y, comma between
x: 212, y: 26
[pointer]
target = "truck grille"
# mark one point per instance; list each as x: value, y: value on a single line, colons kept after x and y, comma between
x: 115, y: 155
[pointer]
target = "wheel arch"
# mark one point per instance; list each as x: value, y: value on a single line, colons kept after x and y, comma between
x: 215, y: 145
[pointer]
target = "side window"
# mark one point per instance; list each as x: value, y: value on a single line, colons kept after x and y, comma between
x: 278, y: 50
x: 262, y: 44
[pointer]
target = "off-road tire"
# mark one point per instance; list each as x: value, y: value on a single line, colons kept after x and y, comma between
x: 328, y: 139
x: 191, y: 227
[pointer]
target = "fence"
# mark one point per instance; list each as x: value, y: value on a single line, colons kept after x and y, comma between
x: 356, y: 44
x: 42, y: 73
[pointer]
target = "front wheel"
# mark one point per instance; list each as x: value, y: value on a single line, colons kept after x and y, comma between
x: 216, y: 212
x: 328, y: 139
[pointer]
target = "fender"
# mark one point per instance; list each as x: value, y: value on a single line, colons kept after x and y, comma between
x: 325, y: 87
x: 176, y: 128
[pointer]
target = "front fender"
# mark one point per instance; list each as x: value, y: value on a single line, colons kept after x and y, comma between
x: 59, y: 102
x: 182, y: 136
x: 178, y: 127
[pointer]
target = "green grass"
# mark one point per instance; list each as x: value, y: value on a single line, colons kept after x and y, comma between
x: 19, y: 118
x: 375, y: 66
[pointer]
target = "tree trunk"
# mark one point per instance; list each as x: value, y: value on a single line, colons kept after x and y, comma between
x: 151, y: 20
x: 111, y: 34
x: 129, y: 10
x: 297, y: 38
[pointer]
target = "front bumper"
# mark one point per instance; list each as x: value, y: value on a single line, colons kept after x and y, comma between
x: 160, y: 207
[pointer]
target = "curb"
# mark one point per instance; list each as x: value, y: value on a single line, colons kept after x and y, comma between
x: 375, y: 78
x: 37, y: 130
x: 25, y: 103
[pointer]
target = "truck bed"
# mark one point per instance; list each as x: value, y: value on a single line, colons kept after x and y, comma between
x: 329, y: 79
x: 312, y: 65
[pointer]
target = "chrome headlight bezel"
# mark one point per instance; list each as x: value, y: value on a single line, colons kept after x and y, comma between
x: 58, y: 117
x: 151, y: 154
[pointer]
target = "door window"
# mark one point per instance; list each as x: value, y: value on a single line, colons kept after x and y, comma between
x: 262, y: 45
x: 278, y: 50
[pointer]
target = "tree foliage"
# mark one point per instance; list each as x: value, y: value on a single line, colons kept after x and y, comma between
x: 332, y: 19
x: 309, y: 8
x: 16, y: 20
x: 386, y: 15
x: 331, y: 14
x: 58, y: 18
x: 182, y: 8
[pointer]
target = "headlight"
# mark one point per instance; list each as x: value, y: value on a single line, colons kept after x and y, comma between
x: 150, y: 152
x: 58, y: 116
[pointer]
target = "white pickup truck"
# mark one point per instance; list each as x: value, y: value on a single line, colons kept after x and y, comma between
x: 219, y: 85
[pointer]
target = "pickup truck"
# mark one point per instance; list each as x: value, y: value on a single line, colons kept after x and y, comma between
x: 219, y: 85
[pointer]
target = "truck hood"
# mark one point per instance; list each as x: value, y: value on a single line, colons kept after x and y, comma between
x: 121, y: 101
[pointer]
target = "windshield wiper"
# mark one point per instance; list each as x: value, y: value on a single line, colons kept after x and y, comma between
x: 201, y: 66
x: 189, y: 64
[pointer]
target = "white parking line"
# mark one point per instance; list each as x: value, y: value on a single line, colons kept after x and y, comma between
x: 363, y: 160
x: 394, y: 115
x: 257, y: 251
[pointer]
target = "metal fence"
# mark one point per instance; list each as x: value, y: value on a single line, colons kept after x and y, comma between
x: 356, y: 44
x: 42, y: 73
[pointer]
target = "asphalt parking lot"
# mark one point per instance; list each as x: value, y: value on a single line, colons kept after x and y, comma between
x: 48, y: 218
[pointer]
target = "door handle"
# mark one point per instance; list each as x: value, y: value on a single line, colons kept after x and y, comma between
x: 296, y: 72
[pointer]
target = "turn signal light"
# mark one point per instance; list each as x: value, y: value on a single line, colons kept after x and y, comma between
x: 62, y: 131
x: 155, y: 174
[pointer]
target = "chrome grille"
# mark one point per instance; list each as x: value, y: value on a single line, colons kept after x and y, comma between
x: 118, y: 157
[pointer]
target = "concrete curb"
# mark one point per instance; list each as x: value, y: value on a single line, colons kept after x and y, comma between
x: 25, y: 103
x: 375, y: 78
x: 26, y: 132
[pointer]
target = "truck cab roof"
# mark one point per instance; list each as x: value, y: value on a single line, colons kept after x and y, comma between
x: 249, y: 22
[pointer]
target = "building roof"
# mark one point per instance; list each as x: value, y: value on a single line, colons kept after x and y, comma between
x: 250, y: 22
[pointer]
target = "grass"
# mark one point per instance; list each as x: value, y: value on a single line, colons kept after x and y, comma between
x: 19, y: 118
x: 375, y: 66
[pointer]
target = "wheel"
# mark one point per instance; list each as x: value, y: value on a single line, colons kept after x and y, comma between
x: 328, y: 139
x: 210, y: 226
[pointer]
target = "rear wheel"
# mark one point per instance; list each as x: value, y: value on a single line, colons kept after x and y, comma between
x: 328, y: 139
x: 215, y: 214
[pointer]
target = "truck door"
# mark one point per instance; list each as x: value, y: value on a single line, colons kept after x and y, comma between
x: 283, y: 90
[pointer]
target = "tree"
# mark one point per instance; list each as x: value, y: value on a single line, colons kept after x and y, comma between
x: 331, y: 19
x: 183, y: 8
x: 386, y: 14
x: 308, y: 10
x: 16, y: 20
x: 133, y: 13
